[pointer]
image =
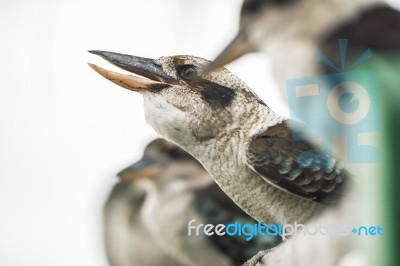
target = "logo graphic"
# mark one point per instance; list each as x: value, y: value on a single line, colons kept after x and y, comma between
x: 341, y: 106
x: 280, y: 229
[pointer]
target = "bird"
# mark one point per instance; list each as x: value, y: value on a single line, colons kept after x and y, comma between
x: 294, y: 32
x: 246, y: 147
x: 305, y: 38
x: 126, y: 239
x: 147, y: 213
x: 308, y: 38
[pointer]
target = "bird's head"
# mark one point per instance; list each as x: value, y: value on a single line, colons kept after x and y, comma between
x: 181, y: 104
x: 274, y: 25
x: 260, y: 20
x: 158, y: 156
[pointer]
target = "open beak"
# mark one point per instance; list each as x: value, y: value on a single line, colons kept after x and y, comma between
x: 145, y: 168
x: 238, y: 46
x: 145, y: 67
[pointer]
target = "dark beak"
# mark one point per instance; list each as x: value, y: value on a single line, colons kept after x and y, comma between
x: 237, y: 47
x: 145, y: 168
x: 145, y: 67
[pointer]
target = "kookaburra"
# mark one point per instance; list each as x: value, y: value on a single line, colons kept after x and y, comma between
x: 246, y: 147
x: 293, y: 32
x: 147, y: 214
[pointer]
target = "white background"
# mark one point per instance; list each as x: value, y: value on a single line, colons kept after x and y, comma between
x: 65, y: 131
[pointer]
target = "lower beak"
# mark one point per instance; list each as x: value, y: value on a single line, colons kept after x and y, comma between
x: 238, y: 46
x: 145, y: 168
x: 146, y: 67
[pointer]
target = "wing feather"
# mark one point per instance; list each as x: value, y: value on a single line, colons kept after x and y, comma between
x: 276, y: 156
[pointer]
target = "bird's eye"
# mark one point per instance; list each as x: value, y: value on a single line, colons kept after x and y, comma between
x: 188, y: 72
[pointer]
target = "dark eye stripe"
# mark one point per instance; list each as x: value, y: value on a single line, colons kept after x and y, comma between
x: 213, y: 94
x: 159, y: 87
x: 217, y: 96
x: 255, y: 6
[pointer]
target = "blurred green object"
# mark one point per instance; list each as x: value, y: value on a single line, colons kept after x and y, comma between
x: 387, y: 67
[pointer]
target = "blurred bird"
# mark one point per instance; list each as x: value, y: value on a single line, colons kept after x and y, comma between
x: 301, y: 38
x: 127, y: 241
x: 242, y: 143
x: 147, y: 214
x: 293, y: 32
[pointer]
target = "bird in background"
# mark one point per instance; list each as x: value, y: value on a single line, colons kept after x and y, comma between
x: 311, y: 38
x: 294, y: 32
x: 246, y: 147
x: 306, y: 38
x: 147, y: 214
x: 127, y: 241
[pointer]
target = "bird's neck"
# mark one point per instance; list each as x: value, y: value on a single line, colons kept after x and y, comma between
x: 231, y: 142
x: 225, y: 159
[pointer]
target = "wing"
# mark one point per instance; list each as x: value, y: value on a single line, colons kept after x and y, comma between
x: 281, y: 161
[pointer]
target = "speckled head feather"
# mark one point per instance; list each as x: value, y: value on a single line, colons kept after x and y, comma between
x: 222, y: 84
x: 186, y: 104
x: 210, y: 102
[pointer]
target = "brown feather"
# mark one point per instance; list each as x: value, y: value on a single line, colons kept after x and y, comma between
x: 319, y: 184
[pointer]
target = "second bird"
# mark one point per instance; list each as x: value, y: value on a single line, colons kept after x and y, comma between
x: 148, y: 211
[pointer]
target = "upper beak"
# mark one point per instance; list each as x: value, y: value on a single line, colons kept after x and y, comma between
x: 145, y: 168
x: 239, y: 46
x: 145, y: 67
